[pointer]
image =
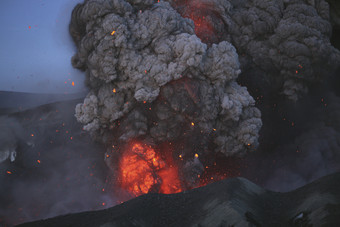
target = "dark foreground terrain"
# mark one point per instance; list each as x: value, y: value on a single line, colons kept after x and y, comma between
x: 231, y: 202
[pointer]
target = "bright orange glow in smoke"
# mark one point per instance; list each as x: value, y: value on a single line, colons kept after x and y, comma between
x: 141, y: 171
x: 204, y: 17
x: 203, y: 28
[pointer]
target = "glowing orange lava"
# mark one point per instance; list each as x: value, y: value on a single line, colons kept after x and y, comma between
x: 142, y: 171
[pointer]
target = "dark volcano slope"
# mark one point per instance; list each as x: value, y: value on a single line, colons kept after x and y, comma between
x: 18, y: 101
x: 231, y: 202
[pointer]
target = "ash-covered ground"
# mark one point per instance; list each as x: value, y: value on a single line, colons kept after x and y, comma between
x: 182, y: 93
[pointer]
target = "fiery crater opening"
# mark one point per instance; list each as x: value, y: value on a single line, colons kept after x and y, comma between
x: 142, y: 170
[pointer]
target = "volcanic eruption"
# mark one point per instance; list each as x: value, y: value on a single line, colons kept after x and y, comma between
x: 154, y: 81
x: 182, y: 93
x: 163, y: 77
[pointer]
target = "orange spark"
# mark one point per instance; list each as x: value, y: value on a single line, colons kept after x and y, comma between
x: 113, y: 32
x: 114, y: 90
x: 38, y: 161
x: 192, y: 123
x: 72, y: 83
x: 32, y: 134
x: 196, y: 155
x: 8, y: 172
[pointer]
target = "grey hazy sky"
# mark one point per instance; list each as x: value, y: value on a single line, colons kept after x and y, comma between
x: 35, y: 47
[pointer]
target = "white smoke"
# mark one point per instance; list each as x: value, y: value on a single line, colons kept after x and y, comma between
x: 12, y: 134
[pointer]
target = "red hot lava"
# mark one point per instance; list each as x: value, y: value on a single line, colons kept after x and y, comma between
x: 141, y: 171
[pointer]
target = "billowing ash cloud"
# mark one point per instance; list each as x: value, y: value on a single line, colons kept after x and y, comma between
x: 286, y: 43
x: 152, y: 78
x: 166, y: 72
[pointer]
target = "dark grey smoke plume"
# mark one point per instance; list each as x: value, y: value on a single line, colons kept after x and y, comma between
x: 301, y: 144
x: 151, y: 77
x: 335, y: 12
x: 282, y: 44
x: 159, y: 76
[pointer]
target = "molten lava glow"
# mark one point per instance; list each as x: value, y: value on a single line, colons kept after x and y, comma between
x: 170, y: 182
x: 203, y: 29
x: 141, y: 171
x: 204, y: 17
